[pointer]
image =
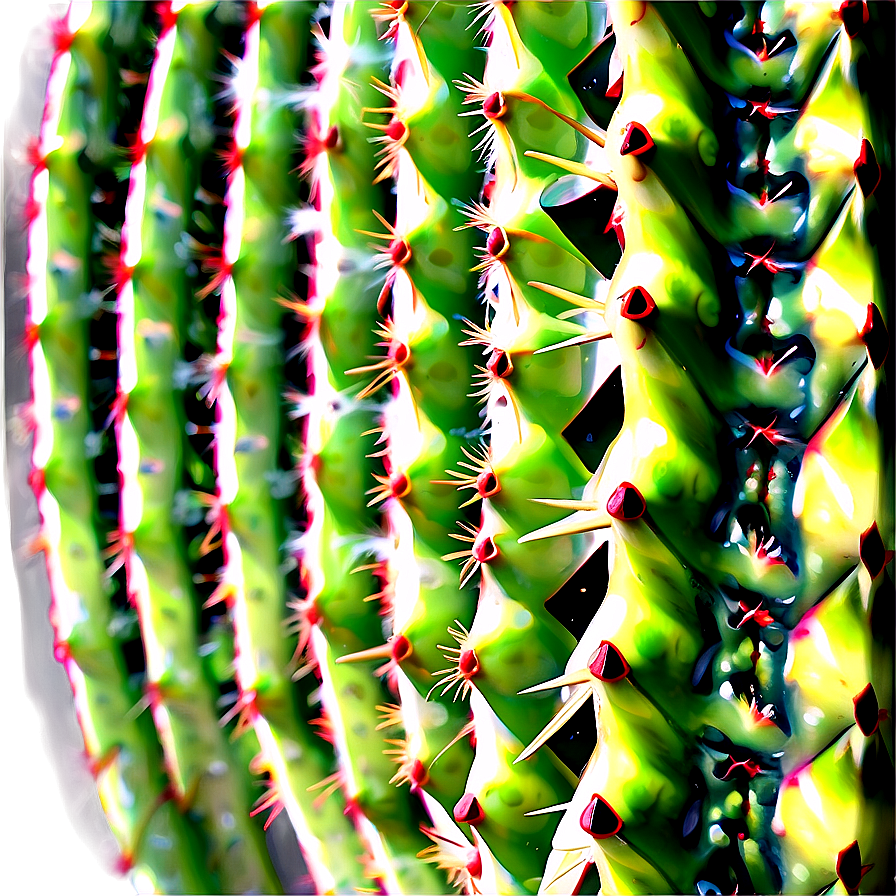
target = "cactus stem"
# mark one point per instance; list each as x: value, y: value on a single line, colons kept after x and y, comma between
x: 381, y: 652
x: 573, y: 862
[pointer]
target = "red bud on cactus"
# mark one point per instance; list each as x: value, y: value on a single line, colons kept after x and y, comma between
x: 638, y: 304
x: 62, y: 651
x: 875, y: 336
x: 401, y: 648
x: 312, y: 614
x: 167, y: 17
x: 494, y: 106
x: 399, y: 353
x: 468, y: 664
x: 607, y: 663
x: 617, y: 216
x: 850, y: 869
x: 254, y: 13
x: 399, y: 484
x: 331, y: 138
x: 488, y: 187
x: 419, y: 774
x: 499, y: 363
x: 119, y: 864
x: 400, y: 252
x: 872, y: 551
x: 626, y: 503
x: 62, y: 35
x: 636, y: 141
x: 497, y: 242
x: 484, y: 548
x: 868, y: 713
x: 600, y: 819
x: 854, y: 14
x: 614, y: 91
x: 468, y: 811
x: 866, y: 169
x: 35, y: 157
x: 37, y: 481
x: 396, y: 130
x: 487, y: 484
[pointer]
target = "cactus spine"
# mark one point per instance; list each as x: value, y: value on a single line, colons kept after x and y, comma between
x: 493, y: 436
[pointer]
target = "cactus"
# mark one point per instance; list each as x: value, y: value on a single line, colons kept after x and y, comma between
x: 466, y: 427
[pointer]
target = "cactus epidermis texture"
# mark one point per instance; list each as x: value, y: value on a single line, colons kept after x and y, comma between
x: 469, y: 423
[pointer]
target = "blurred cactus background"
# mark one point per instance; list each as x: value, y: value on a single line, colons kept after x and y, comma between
x: 43, y: 803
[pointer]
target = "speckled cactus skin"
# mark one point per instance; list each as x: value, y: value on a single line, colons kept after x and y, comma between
x: 466, y: 427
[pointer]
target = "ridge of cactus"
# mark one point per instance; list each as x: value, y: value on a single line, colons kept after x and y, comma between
x: 341, y: 558
x: 150, y: 432
x: 465, y: 429
x: 728, y: 418
x: 530, y: 396
x: 253, y: 491
x: 429, y: 426
x: 122, y: 748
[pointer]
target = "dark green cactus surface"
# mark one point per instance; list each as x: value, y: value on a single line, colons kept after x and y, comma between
x: 468, y: 427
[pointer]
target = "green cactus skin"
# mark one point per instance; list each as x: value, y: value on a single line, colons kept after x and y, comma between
x: 739, y: 664
x: 254, y: 506
x: 748, y: 743
x: 341, y: 606
x: 156, y: 841
x: 430, y: 421
x: 149, y: 425
x: 530, y: 398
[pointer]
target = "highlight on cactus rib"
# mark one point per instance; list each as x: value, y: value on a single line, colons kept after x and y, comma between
x: 466, y: 428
